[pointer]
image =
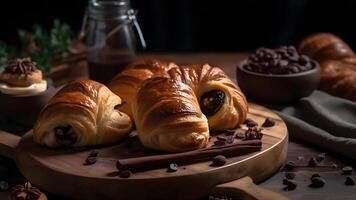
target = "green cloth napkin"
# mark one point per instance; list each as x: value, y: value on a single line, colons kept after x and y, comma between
x: 323, y: 120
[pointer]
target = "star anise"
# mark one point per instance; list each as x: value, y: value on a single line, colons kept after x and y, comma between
x: 25, y: 192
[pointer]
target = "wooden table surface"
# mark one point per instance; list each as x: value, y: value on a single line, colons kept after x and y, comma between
x: 298, y: 150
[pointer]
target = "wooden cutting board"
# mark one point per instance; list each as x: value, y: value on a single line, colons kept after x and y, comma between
x: 62, y: 171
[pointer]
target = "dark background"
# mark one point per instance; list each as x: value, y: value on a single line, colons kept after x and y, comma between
x: 201, y: 25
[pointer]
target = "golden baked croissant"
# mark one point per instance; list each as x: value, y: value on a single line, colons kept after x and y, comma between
x: 217, y: 97
x: 168, y: 117
x: 128, y: 81
x: 82, y: 113
x: 337, y: 62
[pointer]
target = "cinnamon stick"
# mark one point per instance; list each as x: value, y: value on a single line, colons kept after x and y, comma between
x: 159, y: 161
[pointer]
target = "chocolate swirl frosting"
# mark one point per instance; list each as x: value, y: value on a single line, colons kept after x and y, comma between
x: 20, y: 66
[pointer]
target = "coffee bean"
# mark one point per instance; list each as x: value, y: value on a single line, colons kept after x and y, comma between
x: 349, y: 181
x: 125, y: 174
x: 90, y: 160
x: 317, y: 182
x: 4, y: 186
x: 269, y: 122
x: 219, y: 160
x: 290, y: 165
x: 173, y: 167
x: 347, y: 170
x: 312, y: 162
x: 290, y: 184
x: 320, y: 157
x: 290, y: 175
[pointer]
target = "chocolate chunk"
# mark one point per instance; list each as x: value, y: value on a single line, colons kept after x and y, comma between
x: 4, y: 186
x: 173, y: 167
x: 219, y: 160
x: 125, y: 174
x: 320, y: 157
x: 251, y: 124
x: 317, y: 182
x: 247, y: 120
x: 290, y: 184
x: 221, y: 138
x: 314, y: 176
x: 349, y: 181
x: 268, y: 122
x: 219, y: 143
x: 290, y: 175
x: 211, y: 102
x: 65, y: 135
x: 230, y: 139
x: 290, y: 165
x: 90, y: 160
x: 312, y: 162
x: 93, y: 153
x: 347, y: 170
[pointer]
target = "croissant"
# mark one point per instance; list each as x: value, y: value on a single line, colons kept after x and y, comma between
x: 217, y: 97
x: 168, y: 117
x: 82, y: 113
x: 337, y: 62
x: 128, y: 81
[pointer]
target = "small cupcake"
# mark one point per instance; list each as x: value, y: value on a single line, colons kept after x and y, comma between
x: 21, y: 76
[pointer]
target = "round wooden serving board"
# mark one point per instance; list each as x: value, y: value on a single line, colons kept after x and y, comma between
x: 61, y: 171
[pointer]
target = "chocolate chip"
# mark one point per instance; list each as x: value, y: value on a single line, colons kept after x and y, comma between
x: 290, y: 175
x: 219, y: 143
x: 347, y: 170
x: 290, y: 184
x: 268, y: 122
x: 349, y: 181
x: 320, y: 157
x: 125, y: 174
x: 219, y: 160
x: 90, y: 160
x: 251, y: 124
x: 315, y: 175
x: 317, y: 182
x: 173, y: 167
x: 4, y: 186
x: 221, y: 138
x: 290, y: 165
x: 211, y: 102
x: 93, y: 153
x: 312, y: 162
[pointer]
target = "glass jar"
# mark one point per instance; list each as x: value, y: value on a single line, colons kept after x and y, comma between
x: 108, y: 31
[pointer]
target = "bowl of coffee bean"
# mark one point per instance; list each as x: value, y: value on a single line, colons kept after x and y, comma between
x: 280, y: 75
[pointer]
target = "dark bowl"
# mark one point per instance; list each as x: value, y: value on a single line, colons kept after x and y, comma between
x: 24, y: 109
x: 276, y: 88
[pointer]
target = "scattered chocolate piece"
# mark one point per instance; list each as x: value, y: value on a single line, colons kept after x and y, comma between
x: 321, y: 157
x: 290, y: 184
x: 269, y: 122
x: 4, y: 186
x: 349, y: 181
x: 230, y: 139
x: 247, y: 120
x: 90, y: 160
x: 240, y: 134
x: 125, y: 174
x: 253, y: 133
x: 173, y: 167
x: 251, y: 124
x: 219, y: 142
x: 290, y: 175
x: 314, y: 176
x: 317, y: 182
x: 347, y: 170
x: 312, y: 162
x: 93, y: 153
x: 290, y: 165
x: 221, y: 138
x: 219, y: 160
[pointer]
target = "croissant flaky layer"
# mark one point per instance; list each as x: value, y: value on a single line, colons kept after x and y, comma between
x: 175, y: 106
x: 82, y: 113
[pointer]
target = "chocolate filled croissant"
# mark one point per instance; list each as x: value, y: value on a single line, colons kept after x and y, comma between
x: 168, y: 117
x: 83, y: 113
x: 216, y: 96
x: 337, y: 62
